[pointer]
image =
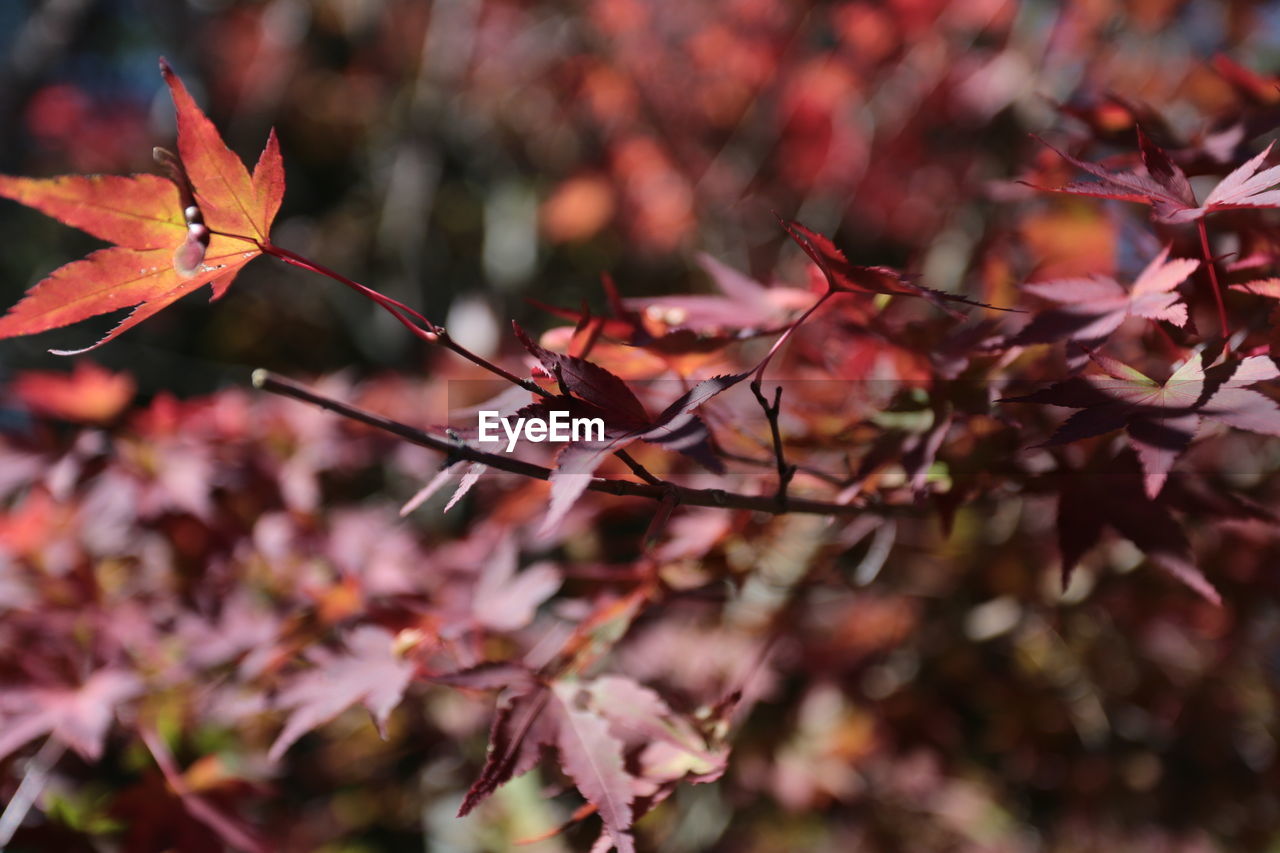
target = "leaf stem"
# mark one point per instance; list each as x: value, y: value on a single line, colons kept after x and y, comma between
x: 394, y: 306
x: 771, y: 410
x: 764, y: 362
x: 427, y: 331
x: 443, y: 339
x: 1213, y: 278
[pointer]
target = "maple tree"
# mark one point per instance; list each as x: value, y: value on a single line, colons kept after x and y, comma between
x: 802, y: 576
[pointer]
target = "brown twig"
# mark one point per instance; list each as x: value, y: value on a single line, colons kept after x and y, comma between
x: 266, y: 381
x: 760, y: 462
x: 637, y: 469
x: 443, y: 339
x: 771, y: 410
x: 1213, y: 278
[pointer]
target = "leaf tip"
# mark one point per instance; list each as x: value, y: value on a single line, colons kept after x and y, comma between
x: 470, y: 801
x: 81, y: 351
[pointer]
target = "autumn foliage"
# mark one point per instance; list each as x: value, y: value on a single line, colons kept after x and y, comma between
x: 932, y: 534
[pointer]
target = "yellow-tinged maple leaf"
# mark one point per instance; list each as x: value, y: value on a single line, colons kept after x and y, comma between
x: 143, y: 215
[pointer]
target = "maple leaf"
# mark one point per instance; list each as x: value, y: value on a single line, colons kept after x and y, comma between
x: 470, y: 476
x: 592, y: 756
x: 75, y: 716
x: 590, y: 391
x: 590, y: 383
x: 592, y: 725
x: 1161, y: 419
x: 1095, y: 307
x: 1164, y: 186
x: 368, y: 672
x: 850, y: 278
x: 518, y: 736
x: 534, y: 717
x: 151, y: 264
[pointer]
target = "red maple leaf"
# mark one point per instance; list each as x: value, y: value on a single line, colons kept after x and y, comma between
x: 171, y: 235
x: 1164, y: 186
x: 589, y: 390
x: 535, y: 717
x: 846, y: 277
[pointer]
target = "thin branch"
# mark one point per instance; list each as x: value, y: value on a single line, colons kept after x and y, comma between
x: 266, y: 381
x: 392, y: 305
x: 759, y: 462
x: 636, y: 468
x: 198, y: 807
x: 442, y: 338
x: 771, y: 410
x: 786, y: 335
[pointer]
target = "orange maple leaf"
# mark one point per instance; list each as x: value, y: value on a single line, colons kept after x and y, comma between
x: 143, y: 216
x: 89, y: 394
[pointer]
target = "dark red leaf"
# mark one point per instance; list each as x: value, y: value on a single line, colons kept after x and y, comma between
x: 589, y: 382
x: 844, y: 276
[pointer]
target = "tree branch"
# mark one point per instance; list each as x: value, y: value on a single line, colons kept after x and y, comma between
x: 266, y: 381
x: 771, y: 410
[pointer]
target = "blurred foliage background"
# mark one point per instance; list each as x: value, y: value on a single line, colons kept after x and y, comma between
x: 464, y: 155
